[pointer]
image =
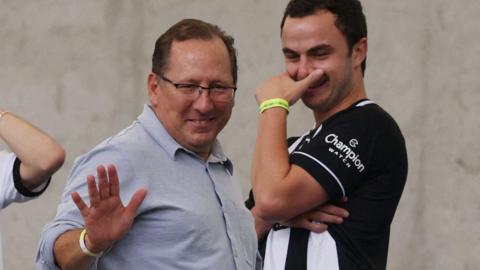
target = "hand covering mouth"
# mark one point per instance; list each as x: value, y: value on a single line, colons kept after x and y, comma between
x: 320, y: 82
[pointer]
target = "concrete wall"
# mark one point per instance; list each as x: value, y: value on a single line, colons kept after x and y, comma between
x: 78, y: 70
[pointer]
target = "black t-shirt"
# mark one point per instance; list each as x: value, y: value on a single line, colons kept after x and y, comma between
x: 359, y: 153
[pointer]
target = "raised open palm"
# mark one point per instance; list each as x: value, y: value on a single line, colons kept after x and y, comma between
x: 107, y: 219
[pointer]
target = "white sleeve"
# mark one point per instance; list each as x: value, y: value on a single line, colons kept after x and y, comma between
x: 8, y: 192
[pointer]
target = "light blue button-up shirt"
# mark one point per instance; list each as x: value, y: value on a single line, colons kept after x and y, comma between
x: 192, y: 218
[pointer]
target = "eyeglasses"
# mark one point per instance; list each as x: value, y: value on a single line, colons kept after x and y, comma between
x: 217, y: 93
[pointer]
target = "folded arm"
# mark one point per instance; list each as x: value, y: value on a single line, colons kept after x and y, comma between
x: 282, y: 190
x: 315, y: 220
x: 40, y: 154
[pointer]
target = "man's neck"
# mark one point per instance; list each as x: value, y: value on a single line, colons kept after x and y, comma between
x: 354, y: 96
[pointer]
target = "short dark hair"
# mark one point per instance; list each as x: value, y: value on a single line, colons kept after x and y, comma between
x: 350, y: 19
x: 188, y: 29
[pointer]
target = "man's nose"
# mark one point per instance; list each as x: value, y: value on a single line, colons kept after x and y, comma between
x: 304, y: 68
x: 203, y: 103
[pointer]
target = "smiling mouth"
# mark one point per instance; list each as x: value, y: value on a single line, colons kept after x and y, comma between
x: 320, y: 82
x: 201, y: 121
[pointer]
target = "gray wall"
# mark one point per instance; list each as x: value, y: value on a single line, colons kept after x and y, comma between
x: 78, y: 70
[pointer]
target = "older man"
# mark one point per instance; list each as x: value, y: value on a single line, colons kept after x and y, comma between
x: 26, y: 172
x: 193, y: 216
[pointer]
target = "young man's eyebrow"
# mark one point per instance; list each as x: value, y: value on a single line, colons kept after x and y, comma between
x: 289, y: 51
x: 321, y: 47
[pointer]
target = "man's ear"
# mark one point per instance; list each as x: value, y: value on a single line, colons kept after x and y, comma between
x: 359, y: 52
x: 152, y: 87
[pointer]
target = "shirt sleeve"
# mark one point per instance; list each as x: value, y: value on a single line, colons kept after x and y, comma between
x: 17, y: 181
x: 337, y: 156
x: 68, y: 216
x: 11, y: 188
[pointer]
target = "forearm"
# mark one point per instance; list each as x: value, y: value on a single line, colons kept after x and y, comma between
x: 281, y: 190
x: 271, y: 161
x: 261, y: 226
x: 315, y: 220
x: 41, y: 156
x: 67, y: 252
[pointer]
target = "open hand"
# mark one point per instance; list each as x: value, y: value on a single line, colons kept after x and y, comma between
x: 106, y: 220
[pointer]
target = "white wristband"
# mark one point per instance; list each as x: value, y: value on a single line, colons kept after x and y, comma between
x: 84, y: 247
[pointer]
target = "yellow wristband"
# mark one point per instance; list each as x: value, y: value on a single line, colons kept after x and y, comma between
x: 83, y: 246
x: 272, y: 103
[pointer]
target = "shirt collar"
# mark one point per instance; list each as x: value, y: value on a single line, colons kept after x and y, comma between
x: 148, y: 119
x: 218, y: 156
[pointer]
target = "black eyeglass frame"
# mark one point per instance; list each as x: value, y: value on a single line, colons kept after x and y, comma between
x: 196, y: 88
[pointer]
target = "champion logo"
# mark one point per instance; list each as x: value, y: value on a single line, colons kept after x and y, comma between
x: 345, y: 151
x: 353, y: 143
